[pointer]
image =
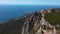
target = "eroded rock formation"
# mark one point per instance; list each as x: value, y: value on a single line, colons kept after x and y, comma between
x: 36, y: 23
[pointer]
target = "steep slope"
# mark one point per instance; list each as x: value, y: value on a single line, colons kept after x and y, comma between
x: 36, y: 23
x: 53, y: 17
x: 32, y: 21
x: 13, y: 26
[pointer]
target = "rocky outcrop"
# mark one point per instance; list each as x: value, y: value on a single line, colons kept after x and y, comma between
x: 33, y: 23
x: 36, y: 23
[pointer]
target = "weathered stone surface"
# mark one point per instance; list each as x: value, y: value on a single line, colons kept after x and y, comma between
x: 36, y: 24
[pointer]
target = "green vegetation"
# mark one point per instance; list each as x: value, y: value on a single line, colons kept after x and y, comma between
x: 53, y: 17
x: 12, y: 26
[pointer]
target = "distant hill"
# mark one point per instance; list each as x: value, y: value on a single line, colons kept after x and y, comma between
x: 14, y: 26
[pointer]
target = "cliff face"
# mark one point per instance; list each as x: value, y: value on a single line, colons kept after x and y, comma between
x: 32, y: 23
x: 36, y: 23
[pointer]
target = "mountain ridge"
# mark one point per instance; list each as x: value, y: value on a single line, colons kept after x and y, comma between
x: 14, y: 26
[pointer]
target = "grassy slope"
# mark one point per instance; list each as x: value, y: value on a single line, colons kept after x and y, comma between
x: 54, y: 17
x: 12, y: 27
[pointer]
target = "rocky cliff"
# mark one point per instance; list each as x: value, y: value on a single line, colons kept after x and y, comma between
x: 37, y: 22
x: 32, y: 23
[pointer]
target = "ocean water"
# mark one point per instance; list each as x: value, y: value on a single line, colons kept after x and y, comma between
x: 8, y: 12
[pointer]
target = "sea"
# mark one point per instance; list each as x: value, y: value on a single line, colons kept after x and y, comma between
x: 8, y: 12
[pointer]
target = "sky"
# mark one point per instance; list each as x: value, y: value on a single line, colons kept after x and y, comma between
x: 31, y: 2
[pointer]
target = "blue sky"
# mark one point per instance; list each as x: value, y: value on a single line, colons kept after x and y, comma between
x: 32, y: 2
